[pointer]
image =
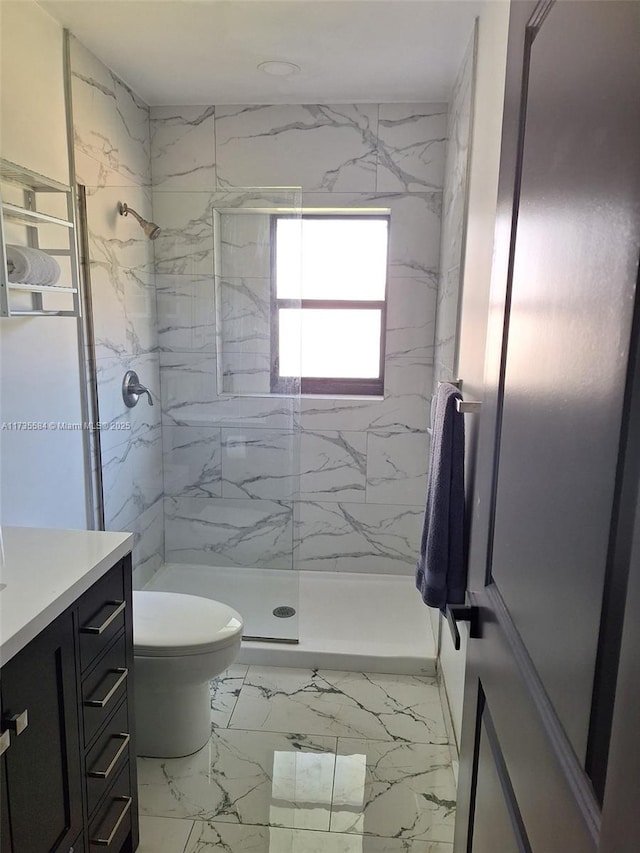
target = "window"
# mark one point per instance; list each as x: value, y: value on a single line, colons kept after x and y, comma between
x: 329, y: 283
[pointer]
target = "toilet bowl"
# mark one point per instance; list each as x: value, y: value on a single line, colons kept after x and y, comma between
x: 180, y: 643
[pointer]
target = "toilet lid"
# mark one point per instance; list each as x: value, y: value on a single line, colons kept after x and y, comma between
x: 170, y: 624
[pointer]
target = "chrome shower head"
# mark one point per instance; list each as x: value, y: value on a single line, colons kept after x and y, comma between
x: 150, y: 228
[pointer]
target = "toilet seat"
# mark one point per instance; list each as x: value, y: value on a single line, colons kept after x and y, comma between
x: 173, y: 624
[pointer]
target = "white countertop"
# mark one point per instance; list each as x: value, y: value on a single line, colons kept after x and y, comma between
x: 44, y: 572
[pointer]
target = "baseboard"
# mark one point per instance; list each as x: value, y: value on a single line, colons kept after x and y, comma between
x: 448, y: 721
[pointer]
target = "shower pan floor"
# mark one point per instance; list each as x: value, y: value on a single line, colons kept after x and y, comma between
x: 350, y: 621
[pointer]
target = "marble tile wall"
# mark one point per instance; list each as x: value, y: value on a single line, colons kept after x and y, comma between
x: 112, y: 147
x: 281, y: 482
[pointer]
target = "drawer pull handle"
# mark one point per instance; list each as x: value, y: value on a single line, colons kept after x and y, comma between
x: 98, y: 629
x: 106, y: 842
x: 104, y: 774
x: 5, y: 741
x: 100, y: 703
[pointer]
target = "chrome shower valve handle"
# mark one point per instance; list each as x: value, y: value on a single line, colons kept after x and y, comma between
x: 132, y: 389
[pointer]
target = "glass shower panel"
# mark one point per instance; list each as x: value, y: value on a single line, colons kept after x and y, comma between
x: 231, y: 447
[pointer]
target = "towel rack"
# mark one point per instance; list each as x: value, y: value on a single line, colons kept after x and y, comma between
x: 465, y: 407
x: 454, y: 613
x: 32, y: 184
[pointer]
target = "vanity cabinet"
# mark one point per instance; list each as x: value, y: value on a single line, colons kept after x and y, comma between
x: 68, y: 765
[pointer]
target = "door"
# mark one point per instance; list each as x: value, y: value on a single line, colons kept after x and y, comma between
x: 545, y: 560
x: 43, y: 774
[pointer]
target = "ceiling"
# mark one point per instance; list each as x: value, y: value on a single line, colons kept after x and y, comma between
x: 207, y: 51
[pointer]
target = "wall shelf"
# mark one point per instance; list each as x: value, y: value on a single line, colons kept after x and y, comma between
x: 32, y: 217
x: 41, y: 288
x: 32, y: 185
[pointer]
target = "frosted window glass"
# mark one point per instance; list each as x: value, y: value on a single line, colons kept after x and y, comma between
x: 342, y: 258
x: 330, y: 343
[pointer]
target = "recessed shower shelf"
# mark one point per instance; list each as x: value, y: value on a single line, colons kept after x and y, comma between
x: 28, y: 215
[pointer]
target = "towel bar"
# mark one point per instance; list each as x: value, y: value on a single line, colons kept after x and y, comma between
x: 466, y: 407
x: 462, y: 613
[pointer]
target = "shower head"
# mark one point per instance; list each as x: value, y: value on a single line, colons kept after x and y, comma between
x: 150, y: 228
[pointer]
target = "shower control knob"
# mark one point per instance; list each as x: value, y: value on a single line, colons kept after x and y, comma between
x: 132, y: 389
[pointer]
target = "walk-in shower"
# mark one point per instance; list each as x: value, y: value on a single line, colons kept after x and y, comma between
x: 238, y: 484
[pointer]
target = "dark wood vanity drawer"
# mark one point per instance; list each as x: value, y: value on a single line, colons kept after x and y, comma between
x: 101, y: 615
x: 103, y: 688
x: 112, y: 823
x: 107, y: 756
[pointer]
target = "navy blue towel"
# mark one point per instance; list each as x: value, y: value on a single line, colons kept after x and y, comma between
x: 441, y: 571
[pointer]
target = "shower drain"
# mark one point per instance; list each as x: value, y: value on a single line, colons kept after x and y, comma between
x: 284, y: 612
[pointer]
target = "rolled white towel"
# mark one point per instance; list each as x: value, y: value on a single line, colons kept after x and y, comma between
x: 31, y: 266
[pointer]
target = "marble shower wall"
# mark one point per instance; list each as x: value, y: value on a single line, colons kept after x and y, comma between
x: 454, y: 218
x: 354, y: 499
x: 112, y: 158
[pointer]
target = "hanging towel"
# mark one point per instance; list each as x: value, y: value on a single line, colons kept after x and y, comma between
x: 440, y: 571
x: 31, y: 266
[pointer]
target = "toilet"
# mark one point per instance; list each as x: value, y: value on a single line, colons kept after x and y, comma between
x: 180, y: 643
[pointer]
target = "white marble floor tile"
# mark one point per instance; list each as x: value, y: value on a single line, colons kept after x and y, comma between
x: 393, y: 790
x: 342, y: 704
x: 244, y: 777
x: 207, y: 837
x: 163, y: 835
x: 224, y: 694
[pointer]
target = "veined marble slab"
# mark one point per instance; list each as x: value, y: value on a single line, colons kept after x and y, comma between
x: 244, y: 777
x: 214, y: 836
x: 244, y: 314
x: 394, y: 790
x: 111, y: 123
x: 183, y: 147
x: 357, y: 537
x: 225, y: 690
x: 163, y: 834
x: 245, y: 245
x: 148, y: 547
x: 342, y: 704
x: 333, y: 466
x: 185, y: 244
x: 186, y: 313
x: 223, y: 532
x: 335, y: 146
x: 124, y: 319
x: 259, y: 463
x: 405, y: 407
x: 192, y: 461
x: 132, y: 478
x: 411, y: 147
x: 397, y: 466
x: 190, y: 397
x: 411, y: 317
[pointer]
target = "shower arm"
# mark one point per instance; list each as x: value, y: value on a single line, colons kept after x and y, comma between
x: 125, y: 210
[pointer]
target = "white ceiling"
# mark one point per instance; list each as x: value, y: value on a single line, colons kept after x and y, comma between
x: 207, y: 51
